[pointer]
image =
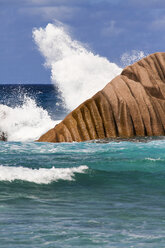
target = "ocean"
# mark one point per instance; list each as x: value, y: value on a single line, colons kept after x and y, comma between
x: 107, y: 193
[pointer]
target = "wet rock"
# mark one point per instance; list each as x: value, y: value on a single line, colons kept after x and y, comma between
x: 3, y: 136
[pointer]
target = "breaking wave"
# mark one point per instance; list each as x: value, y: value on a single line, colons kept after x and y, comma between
x: 77, y: 72
x: 26, y: 122
x: 39, y: 176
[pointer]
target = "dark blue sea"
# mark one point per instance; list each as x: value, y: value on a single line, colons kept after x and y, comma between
x: 90, y: 194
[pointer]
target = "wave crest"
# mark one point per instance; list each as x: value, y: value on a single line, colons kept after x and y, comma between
x: 39, y: 176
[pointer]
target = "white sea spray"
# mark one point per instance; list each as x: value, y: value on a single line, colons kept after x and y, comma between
x: 77, y: 71
x: 25, y: 122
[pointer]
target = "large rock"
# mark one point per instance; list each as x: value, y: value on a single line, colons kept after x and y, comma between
x: 132, y: 104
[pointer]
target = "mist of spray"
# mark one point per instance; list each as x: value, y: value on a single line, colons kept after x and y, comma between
x: 26, y: 122
x: 77, y: 72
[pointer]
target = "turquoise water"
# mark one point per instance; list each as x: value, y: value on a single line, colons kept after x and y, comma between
x: 94, y: 194
x: 114, y: 199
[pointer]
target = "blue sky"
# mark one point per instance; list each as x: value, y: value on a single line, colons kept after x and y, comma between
x: 108, y: 27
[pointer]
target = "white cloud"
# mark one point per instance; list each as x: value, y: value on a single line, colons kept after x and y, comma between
x: 61, y: 13
x: 50, y: 3
x: 158, y: 24
x: 146, y: 3
x: 111, y: 29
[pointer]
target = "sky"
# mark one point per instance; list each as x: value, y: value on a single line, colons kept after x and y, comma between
x: 109, y: 28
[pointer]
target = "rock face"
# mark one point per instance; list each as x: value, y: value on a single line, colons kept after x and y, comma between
x: 132, y: 104
x: 3, y: 136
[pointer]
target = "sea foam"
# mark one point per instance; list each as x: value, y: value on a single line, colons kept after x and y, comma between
x: 26, y: 122
x: 39, y: 176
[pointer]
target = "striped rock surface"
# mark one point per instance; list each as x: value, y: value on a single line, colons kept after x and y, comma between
x: 132, y: 104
